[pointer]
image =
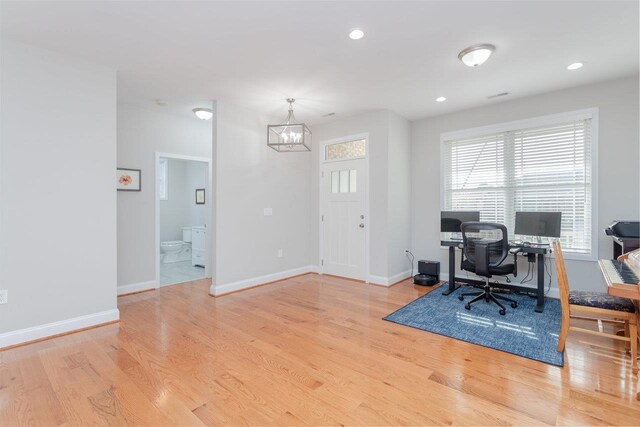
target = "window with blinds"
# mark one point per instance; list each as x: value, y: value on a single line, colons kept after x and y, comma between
x: 538, y: 168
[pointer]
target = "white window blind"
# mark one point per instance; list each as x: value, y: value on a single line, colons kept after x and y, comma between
x: 543, y: 168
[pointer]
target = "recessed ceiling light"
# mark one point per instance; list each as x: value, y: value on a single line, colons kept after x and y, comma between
x: 203, y: 113
x: 575, y: 66
x: 356, y: 34
x: 476, y: 55
x: 441, y: 99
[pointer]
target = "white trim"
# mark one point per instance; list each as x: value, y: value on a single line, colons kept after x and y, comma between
x: 260, y: 280
x: 56, y: 328
x: 388, y: 281
x: 137, y: 287
x: 532, y: 122
x: 367, y: 210
x: 209, y: 204
x: 587, y: 113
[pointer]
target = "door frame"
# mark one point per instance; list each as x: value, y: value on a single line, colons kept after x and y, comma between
x: 208, y: 244
x: 367, y: 210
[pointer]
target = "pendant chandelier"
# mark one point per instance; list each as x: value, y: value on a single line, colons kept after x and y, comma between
x: 290, y: 136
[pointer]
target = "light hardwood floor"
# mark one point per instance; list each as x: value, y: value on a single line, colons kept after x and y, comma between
x: 310, y: 350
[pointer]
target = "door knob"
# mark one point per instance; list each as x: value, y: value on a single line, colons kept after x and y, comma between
x: 361, y: 225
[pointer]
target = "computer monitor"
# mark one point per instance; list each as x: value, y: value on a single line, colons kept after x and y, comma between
x: 450, y: 220
x: 542, y: 224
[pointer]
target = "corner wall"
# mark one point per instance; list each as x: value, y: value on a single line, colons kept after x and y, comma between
x: 618, y: 154
x: 58, y: 215
x: 249, y: 176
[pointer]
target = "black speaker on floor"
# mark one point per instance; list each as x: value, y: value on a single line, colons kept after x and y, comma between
x: 432, y: 268
x: 429, y: 273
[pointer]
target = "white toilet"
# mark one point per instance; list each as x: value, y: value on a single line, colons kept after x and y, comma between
x: 177, y: 250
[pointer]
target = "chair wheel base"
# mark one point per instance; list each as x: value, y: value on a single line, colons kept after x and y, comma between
x: 460, y: 297
x: 502, y: 312
x: 514, y: 305
x: 467, y: 306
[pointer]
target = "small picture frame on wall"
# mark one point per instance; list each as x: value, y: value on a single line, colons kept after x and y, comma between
x: 128, y: 179
x: 199, y: 196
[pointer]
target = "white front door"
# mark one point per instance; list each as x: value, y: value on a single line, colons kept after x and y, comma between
x: 343, y: 218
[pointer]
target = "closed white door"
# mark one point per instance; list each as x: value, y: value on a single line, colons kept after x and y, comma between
x: 343, y: 218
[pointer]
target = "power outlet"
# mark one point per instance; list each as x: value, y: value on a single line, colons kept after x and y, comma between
x: 4, y: 296
x: 406, y: 251
x: 279, y: 253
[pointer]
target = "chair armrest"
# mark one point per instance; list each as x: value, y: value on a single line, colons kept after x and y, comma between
x: 482, y: 259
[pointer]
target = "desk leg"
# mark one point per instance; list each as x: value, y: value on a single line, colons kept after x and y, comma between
x: 540, y: 303
x: 452, y: 272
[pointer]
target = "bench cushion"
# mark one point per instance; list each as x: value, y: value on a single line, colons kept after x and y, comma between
x: 600, y: 300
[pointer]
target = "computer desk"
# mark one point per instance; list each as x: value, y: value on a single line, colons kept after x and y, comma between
x: 539, y: 251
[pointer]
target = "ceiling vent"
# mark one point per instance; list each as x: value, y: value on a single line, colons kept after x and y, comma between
x: 498, y: 95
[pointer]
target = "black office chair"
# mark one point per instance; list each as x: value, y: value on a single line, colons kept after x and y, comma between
x: 485, y: 247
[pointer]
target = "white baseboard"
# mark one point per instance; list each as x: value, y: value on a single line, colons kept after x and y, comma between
x: 56, y: 328
x: 217, y: 290
x: 388, y: 281
x: 137, y: 287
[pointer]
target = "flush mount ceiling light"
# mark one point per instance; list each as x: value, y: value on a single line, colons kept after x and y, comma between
x: 441, y: 99
x: 290, y: 136
x: 203, y: 113
x: 575, y: 66
x: 476, y: 55
x: 356, y: 34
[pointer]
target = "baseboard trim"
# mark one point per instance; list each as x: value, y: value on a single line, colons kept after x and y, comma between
x: 389, y: 281
x: 62, y: 327
x: 134, y: 288
x: 241, y: 285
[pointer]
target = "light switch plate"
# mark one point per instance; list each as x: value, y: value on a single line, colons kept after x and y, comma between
x: 4, y: 296
x: 268, y: 211
x: 279, y: 253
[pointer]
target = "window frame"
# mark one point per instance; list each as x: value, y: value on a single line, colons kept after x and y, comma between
x: 541, y: 121
x: 164, y: 170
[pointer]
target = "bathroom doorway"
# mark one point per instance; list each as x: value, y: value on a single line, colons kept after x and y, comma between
x: 183, y: 209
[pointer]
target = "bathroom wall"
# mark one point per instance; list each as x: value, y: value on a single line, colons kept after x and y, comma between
x: 180, y: 208
x: 143, y: 131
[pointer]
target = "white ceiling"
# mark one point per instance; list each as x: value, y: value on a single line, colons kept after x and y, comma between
x: 259, y: 53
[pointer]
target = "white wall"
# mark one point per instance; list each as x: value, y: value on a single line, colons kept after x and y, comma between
x: 618, y: 153
x: 399, y: 195
x: 58, y: 144
x: 141, y: 133
x: 180, y: 208
x: 389, y: 146
x: 249, y: 176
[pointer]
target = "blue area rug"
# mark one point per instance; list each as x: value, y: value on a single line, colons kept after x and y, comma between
x: 521, y: 331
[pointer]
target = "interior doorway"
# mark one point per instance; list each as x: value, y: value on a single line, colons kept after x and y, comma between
x: 183, y: 210
x: 344, y: 207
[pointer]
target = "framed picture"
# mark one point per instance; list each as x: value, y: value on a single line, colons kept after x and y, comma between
x: 128, y: 179
x: 199, y: 196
